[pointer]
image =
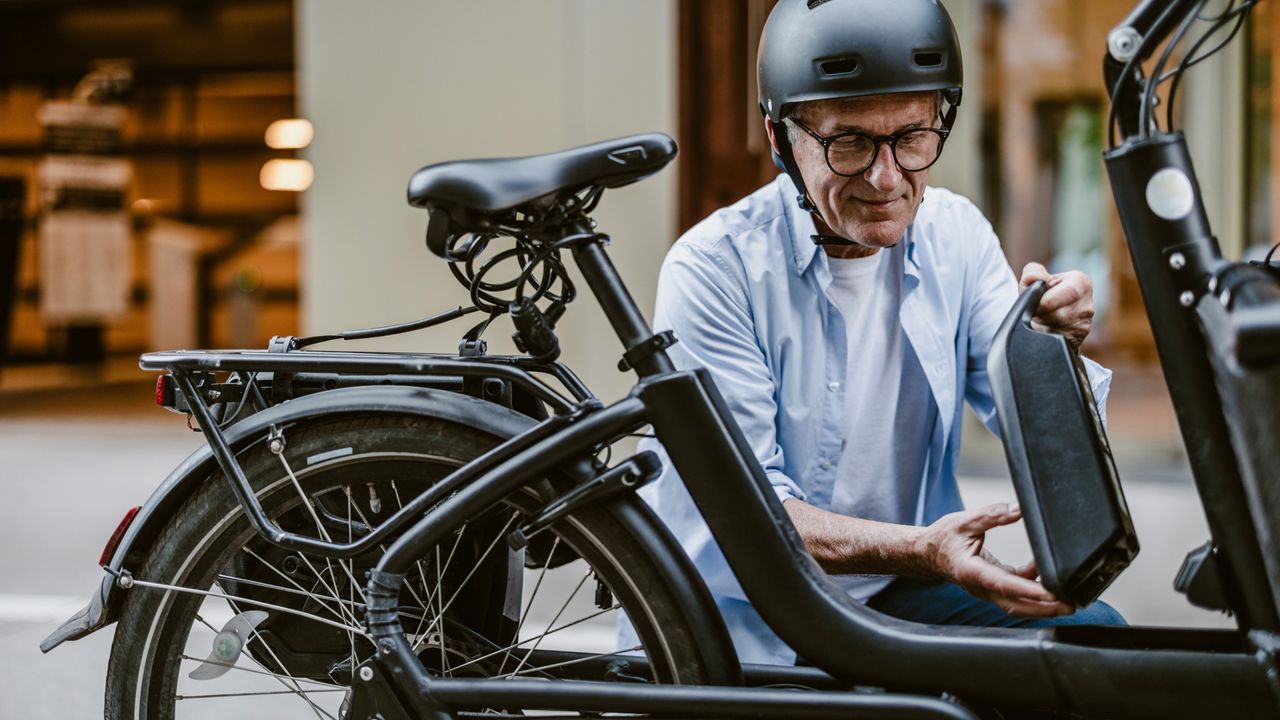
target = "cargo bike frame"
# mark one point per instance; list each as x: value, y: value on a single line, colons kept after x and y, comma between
x: 1212, y: 319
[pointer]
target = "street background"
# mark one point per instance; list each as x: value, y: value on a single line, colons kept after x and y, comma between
x: 204, y: 247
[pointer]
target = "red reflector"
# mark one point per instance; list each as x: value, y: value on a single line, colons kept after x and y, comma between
x: 164, y: 391
x: 109, y: 551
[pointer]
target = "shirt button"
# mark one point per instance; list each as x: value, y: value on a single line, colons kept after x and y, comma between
x: 833, y: 386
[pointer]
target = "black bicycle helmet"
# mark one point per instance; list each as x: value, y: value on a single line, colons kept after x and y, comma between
x: 823, y: 49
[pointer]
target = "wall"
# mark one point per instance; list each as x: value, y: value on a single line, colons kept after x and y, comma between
x: 959, y: 168
x: 395, y: 85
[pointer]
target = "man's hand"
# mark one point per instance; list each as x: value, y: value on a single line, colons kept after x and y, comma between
x: 953, y: 548
x: 1067, y: 306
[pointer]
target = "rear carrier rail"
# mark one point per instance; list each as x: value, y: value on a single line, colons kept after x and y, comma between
x: 264, y: 378
x: 218, y: 388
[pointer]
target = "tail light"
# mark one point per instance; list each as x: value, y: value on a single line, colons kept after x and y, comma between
x: 109, y: 551
x: 164, y: 391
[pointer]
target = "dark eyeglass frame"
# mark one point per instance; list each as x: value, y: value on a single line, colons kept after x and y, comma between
x: 876, y: 142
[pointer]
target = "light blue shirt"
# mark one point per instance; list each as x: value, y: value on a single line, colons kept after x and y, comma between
x: 746, y: 293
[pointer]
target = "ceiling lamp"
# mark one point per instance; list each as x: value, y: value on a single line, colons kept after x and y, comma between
x: 290, y: 175
x: 293, y: 134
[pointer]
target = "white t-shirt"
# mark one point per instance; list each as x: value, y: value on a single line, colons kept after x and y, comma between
x: 889, y: 411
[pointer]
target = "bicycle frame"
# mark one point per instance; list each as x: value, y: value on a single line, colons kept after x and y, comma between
x: 1118, y: 672
x: 1110, y: 671
x: 1179, y: 671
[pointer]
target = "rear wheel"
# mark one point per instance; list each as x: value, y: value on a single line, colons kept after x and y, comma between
x: 220, y: 623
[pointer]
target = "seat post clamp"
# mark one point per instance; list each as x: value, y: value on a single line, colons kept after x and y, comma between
x: 643, y: 349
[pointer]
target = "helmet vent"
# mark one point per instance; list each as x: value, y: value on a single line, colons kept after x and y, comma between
x: 839, y: 66
x: 928, y: 59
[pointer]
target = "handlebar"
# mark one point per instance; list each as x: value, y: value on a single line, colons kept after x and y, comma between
x: 1146, y: 27
x: 1252, y: 297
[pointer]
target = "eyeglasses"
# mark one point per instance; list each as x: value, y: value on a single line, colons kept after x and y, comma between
x: 851, y: 153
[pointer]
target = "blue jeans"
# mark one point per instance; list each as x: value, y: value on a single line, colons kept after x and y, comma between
x: 935, y: 602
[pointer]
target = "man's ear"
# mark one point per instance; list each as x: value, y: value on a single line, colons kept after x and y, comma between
x: 769, y: 129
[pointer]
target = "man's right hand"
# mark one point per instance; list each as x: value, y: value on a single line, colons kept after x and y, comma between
x: 952, y: 549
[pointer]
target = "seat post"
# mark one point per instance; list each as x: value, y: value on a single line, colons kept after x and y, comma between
x: 628, y: 322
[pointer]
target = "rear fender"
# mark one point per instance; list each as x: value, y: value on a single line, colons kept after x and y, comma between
x: 185, y: 480
x: 104, y: 607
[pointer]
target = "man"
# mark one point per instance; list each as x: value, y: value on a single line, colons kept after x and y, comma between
x: 845, y: 310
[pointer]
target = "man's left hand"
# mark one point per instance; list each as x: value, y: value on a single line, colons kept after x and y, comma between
x: 1067, y: 306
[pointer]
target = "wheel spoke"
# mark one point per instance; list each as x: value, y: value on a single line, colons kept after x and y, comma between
x: 250, y: 601
x: 408, y: 586
x: 288, y: 682
x: 309, y: 503
x: 241, y: 668
x: 351, y: 656
x: 440, y: 572
x: 295, y: 590
x: 426, y: 586
x: 532, y: 599
x: 560, y: 612
x: 585, y: 658
x: 479, y: 563
x: 290, y: 591
x: 345, y: 614
x: 250, y: 694
x: 488, y: 617
x: 551, y: 631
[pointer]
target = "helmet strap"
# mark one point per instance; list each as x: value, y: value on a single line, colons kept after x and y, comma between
x: 785, y: 157
x: 952, y: 98
x: 787, y: 160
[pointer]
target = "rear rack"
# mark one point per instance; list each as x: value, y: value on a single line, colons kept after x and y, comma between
x: 518, y: 370
x: 190, y: 387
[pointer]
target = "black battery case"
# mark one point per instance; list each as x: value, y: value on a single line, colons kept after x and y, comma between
x: 1065, y: 478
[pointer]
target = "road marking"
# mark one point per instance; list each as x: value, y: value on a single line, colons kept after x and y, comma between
x: 40, y: 608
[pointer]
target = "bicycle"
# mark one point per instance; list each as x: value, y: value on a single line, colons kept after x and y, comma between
x: 444, y: 477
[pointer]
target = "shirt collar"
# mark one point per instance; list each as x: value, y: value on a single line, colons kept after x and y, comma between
x: 802, y: 229
x: 800, y: 224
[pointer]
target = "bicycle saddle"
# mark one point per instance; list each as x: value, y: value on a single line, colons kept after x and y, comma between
x: 498, y: 185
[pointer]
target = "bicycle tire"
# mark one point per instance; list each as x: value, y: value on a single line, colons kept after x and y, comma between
x: 209, y: 540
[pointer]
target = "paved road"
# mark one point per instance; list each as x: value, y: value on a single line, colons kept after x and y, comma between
x: 70, y: 466
x: 70, y: 469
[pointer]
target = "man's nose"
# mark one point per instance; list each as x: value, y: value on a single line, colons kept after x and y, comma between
x: 884, y: 173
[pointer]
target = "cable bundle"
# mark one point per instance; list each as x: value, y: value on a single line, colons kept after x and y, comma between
x: 1233, y: 15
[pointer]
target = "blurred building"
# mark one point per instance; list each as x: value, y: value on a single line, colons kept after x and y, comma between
x: 218, y: 259
x: 211, y: 255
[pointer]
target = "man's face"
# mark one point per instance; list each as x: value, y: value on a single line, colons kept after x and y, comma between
x: 874, y: 208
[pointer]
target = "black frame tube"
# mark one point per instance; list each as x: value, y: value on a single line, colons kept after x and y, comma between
x: 628, y: 322
x: 1202, y: 673
x: 566, y: 443
x: 1184, y: 360
x: 689, y: 701
x: 394, y: 651
x: 1060, y: 668
x: 1216, y: 672
x: 1117, y: 672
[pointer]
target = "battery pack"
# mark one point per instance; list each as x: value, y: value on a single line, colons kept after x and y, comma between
x: 1073, y: 507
